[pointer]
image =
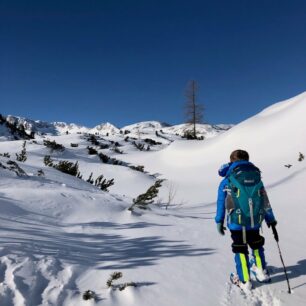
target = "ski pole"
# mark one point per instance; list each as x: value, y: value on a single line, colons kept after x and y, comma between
x: 280, y: 254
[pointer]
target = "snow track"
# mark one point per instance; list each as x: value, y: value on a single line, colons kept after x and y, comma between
x: 256, y: 297
x: 29, y: 281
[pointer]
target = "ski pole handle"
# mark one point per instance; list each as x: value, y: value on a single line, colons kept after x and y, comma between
x: 275, y: 233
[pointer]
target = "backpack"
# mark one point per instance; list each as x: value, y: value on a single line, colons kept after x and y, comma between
x: 245, y: 196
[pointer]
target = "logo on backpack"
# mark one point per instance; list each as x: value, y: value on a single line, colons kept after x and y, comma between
x: 245, y: 196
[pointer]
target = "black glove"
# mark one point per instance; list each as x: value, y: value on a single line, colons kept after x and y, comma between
x: 273, y: 223
x: 221, y: 228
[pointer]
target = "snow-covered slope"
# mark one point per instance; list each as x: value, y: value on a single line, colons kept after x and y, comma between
x: 61, y: 235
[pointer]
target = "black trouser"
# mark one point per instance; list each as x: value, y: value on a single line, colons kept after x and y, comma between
x: 253, y: 239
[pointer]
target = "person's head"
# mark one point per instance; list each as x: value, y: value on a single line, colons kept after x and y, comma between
x: 239, y: 155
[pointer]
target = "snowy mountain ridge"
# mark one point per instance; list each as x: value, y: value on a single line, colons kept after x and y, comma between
x: 146, y: 127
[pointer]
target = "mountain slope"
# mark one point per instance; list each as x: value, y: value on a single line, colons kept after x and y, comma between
x: 61, y: 236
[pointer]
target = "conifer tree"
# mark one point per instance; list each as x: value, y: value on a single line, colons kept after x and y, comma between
x: 144, y: 199
x: 193, y: 110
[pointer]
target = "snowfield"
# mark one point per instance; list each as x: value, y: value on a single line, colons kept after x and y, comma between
x: 61, y: 235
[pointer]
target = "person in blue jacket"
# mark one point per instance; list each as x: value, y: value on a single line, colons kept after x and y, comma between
x: 252, y: 238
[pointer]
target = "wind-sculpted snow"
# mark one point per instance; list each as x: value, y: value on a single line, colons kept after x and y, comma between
x: 61, y: 235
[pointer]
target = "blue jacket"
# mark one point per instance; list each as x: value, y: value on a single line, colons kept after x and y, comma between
x: 220, y: 215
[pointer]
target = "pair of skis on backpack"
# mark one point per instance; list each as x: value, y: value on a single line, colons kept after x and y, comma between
x: 260, y: 275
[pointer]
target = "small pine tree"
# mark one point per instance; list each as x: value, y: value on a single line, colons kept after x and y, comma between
x: 68, y: 167
x: 90, y: 179
x: 139, y: 146
x: 22, y: 157
x: 54, y: 146
x: 104, y: 158
x: 48, y: 161
x: 7, y: 155
x: 40, y: 172
x: 114, y: 276
x: 143, y: 200
x: 102, y: 183
x: 88, y: 295
x: 193, y: 110
x: 301, y: 157
x: 92, y: 151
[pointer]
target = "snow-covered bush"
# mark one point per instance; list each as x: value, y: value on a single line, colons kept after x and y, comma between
x: 13, y: 166
x: 115, y: 276
x: 22, y: 156
x: 108, y: 160
x: 7, y: 155
x: 137, y: 168
x: 301, y: 157
x: 144, y: 199
x: 92, y: 151
x: 48, y: 161
x: 138, y: 145
x: 88, y: 295
x: 93, y: 140
x: 67, y: 167
x: 102, y: 183
x: 53, y: 146
x: 152, y: 142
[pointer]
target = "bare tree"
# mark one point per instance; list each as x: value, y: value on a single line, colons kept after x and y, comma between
x: 193, y: 110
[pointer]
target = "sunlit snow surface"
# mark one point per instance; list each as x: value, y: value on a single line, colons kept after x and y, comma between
x: 60, y: 236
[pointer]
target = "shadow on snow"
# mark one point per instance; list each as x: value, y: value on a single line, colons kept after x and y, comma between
x: 89, y: 244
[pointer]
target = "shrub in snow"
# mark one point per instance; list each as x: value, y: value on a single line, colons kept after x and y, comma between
x: 68, y: 167
x: 92, y: 151
x: 103, y: 146
x: 90, y: 179
x: 189, y: 135
x: 108, y: 160
x: 301, y: 157
x: 64, y: 166
x: 137, y: 168
x: 88, y: 295
x: 104, y: 158
x: 152, y: 142
x: 40, y: 172
x: 124, y: 285
x: 102, y: 183
x: 7, y: 155
x: 53, y: 146
x: 118, y: 151
x: 115, y: 276
x: 48, y: 161
x: 139, y: 146
x: 143, y: 200
x: 93, y: 140
x: 13, y: 166
x: 74, y: 145
x: 22, y: 157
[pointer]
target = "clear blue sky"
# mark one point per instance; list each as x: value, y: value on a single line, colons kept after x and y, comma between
x: 123, y: 61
